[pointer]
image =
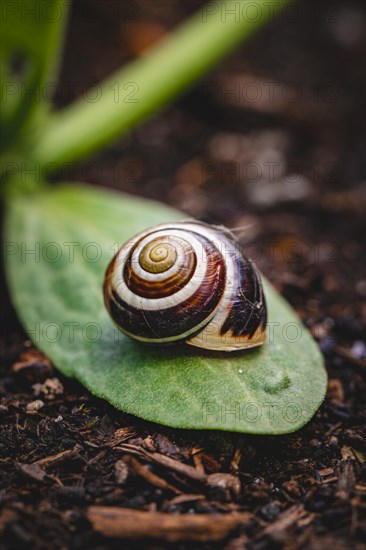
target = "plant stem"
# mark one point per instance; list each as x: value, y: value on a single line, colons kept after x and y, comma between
x: 32, y: 38
x: 136, y: 91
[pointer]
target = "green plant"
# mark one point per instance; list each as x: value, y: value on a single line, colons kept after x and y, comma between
x: 57, y: 289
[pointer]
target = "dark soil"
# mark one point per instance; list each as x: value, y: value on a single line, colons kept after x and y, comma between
x: 64, y: 451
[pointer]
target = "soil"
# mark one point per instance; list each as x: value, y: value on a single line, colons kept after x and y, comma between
x: 286, y: 165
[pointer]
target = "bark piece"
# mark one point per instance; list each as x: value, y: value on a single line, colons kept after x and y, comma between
x: 33, y: 471
x: 179, y: 467
x: 59, y: 457
x: 150, y: 477
x: 135, y: 524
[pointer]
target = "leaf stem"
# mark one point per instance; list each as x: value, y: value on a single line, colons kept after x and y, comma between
x: 136, y: 91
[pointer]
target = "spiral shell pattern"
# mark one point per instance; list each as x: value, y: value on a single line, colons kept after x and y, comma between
x: 186, y: 281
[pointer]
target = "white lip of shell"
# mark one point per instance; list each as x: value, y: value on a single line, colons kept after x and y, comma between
x: 153, y: 304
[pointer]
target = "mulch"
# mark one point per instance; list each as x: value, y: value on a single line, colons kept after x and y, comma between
x: 78, y: 473
x: 75, y: 472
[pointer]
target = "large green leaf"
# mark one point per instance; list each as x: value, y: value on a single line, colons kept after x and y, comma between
x: 272, y: 390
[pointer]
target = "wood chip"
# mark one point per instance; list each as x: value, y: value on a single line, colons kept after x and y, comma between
x: 150, y: 477
x: 325, y: 472
x: 120, y: 435
x: 135, y: 524
x: 59, y: 457
x: 346, y: 480
x: 224, y: 487
x: 197, y: 459
x: 120, y: 472
x: 130, y: 449
x: 183, y: 499
x: 33, y: 471
x: 179, y: 467
x: 235, y: 461
x: 284, y: 520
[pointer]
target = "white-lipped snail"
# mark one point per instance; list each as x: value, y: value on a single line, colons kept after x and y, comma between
x: 186, y: 281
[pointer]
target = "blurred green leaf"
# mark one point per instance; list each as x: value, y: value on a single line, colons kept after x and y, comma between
x: 30, y: 48
x: 136, y: 91
x: 58, y: 244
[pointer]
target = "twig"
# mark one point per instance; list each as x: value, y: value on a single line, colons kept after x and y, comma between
x: 149, y: 476
x: 136, y: 524
x: 59, y: 457
x: 179, y: 467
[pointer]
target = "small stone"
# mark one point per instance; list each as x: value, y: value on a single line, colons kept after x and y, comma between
x: 223, y: 487
x: 120, y: 472
x: 149, y: 444
x: 34, y: 406
x: 270, y: 511
x: 327, y: 345
x: 50, y: 388
x: 358, y: 350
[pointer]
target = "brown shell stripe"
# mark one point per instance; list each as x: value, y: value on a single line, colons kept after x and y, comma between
x: 180, y: 319
x: 164, y: 288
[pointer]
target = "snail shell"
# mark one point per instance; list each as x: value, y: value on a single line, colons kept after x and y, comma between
x: 186, y: 281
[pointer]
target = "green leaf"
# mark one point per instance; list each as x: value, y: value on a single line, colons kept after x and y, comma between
x: 58, y: 295
x: 146, y: 84
x: 30, y: 47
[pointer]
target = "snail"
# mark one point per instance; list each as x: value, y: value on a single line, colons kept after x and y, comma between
x: 186, y: 281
